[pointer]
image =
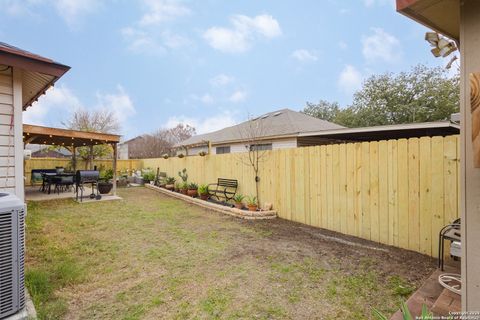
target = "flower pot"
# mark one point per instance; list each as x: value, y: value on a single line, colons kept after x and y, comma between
x: 105, y: 187
x: 204, y: 196
x: 252, y: 207
x: 192, y: 192
x: 238, y: 205
x: 169, y: 186
x: 183, y: 191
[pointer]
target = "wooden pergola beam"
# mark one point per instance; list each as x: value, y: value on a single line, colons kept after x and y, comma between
x: 64, y: 137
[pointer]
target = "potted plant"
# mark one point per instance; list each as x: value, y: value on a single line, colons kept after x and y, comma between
x: 202, y: 153
x: 105, y: 184
x: 183, y: 175
x: 252, y: 203
x: 203, y: 191
x: 165, y: 156
x: 177, y: 186
x: 192, y: 189
x: 170, y: 183
x: 184, y: 188
x: 148, y: 176
x: 238, y: 198
x: 181, y: 155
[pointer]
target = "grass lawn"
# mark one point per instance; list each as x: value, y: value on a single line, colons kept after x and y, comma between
x: 152, y: 257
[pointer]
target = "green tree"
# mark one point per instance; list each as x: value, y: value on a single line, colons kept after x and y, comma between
x: 423, y: 94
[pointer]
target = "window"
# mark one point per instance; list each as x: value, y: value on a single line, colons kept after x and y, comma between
x: 222, y: 150
x: 261, y: 147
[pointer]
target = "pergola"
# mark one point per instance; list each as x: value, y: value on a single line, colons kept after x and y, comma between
x: 72, y: 139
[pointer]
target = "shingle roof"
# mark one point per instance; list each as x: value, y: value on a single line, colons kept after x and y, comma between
x: 280, y: 123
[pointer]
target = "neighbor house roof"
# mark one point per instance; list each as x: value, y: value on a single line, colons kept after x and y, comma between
x: 277, y: 124
x: 39, y: 73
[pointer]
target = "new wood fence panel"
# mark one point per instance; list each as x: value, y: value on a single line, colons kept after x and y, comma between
x: 397, y: 192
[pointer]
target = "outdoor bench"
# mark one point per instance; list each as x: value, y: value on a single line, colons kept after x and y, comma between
x: 224, y: 188
x: 160, y: 179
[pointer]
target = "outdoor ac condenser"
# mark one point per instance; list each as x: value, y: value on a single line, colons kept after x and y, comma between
x: 12, y: 254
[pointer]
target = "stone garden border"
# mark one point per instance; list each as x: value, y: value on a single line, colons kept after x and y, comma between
x: 243, y: 214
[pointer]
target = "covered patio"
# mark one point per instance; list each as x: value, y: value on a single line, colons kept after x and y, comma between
x: 71, y: 140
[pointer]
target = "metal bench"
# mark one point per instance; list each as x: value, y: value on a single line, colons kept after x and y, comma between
x: 224, y: 188
x: 160, y: 179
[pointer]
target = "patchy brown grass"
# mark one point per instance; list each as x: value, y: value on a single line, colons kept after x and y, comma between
x: 152, y: 257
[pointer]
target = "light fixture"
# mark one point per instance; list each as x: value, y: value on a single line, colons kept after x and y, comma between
x: 442, y: 46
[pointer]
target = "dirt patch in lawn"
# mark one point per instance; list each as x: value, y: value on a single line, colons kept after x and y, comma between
x: 152, y: 257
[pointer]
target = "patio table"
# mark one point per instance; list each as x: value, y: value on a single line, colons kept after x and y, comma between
x: 49, y: 178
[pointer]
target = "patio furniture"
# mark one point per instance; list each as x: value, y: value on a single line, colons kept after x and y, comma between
x: 37, y: 176
x: 63, y: 182
x: 451, y: 233
x: 224, y: 188
x: 87, y: 177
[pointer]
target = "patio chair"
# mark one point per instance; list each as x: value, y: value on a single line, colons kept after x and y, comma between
x: 452, y: 233
x: 63, y: 183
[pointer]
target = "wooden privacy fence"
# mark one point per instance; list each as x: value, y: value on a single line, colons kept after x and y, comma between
x: 396, y: 192
x: 51, y: 163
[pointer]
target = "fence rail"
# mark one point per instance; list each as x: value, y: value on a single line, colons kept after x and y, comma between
x: 396, y: 192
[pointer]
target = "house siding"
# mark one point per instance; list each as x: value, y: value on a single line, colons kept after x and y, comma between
x: 276, y: 144
x: 7, y: 152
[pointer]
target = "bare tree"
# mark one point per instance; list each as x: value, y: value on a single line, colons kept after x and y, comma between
x: 252, y: 133
x: 160, y: 142
x: 103, y: 121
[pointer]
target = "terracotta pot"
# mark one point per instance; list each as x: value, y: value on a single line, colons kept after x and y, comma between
x: 238, y: 205
x: 170, y: 186
x: 183, y: 191
x: 192, y: 192
x: 252, y: 207
x: 204, y: 196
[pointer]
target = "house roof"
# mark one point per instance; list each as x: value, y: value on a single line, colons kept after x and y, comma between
x: 39, y: 73
x: 440, y: 15
x: 277, y: 124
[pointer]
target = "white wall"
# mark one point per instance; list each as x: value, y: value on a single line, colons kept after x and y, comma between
x: 7, y: 149
x: 276, y: 144
x: 195, y: 150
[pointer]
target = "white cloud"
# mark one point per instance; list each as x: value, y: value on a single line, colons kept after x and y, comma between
x: 204, y: 125
x: 350, y: 79
x: 159, y: 11
x: 245, y: 30
x: 343, y: 45
x: 238, y: 96
x: 61, y: 100
x: 381, y: 46
x: 304, y: 55
x: 71, y: 11
x: 119, y: 103
x: 141, y: 42
x: 221, y: 80
x: 205, y: 98
x: 56, y: 99
x: 148, y: 35
x: 371, y: 3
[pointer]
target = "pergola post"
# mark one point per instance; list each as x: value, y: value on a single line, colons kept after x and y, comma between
x: 91, y: 157
x: 114, y: 145
x: 74, y: 158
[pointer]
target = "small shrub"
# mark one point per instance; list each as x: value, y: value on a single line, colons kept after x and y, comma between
x: 148, y: 176
x: 184, y: 186
x: 106, y: 175
x: 251, y: 201
x: 183, y: 174
x: 170, y: 180
x: 203, y: 189
x: 238, y: 198
x: 192, y: 186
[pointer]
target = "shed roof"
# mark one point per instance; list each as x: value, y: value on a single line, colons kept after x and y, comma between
x: 277, y: 124
x: 39, y: 73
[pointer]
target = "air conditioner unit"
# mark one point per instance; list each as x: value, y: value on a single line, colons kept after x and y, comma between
x: 12, y: 254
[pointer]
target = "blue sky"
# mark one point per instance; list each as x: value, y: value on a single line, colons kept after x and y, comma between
x: 208, y: 63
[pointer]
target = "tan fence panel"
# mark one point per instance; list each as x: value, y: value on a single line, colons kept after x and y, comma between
x: 397, y: 192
